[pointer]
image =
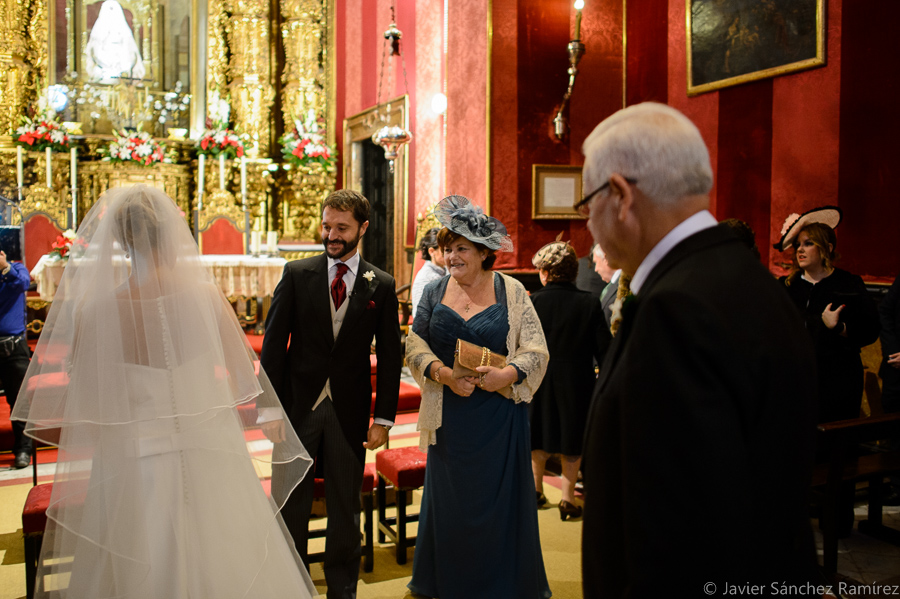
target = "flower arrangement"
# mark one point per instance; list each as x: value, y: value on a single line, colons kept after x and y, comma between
x: 220, y: 141
x: 62, y: 245
x: 138, y: 147
x: 41, y: 130
x: 305, y: 144
x: 39, y: 135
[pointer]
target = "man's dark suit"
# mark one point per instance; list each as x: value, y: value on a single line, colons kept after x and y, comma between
x: 587, y: 278
x: 699, y: 445
x: 301, y: 315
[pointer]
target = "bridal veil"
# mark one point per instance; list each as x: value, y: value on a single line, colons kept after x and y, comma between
x: 146, y: 382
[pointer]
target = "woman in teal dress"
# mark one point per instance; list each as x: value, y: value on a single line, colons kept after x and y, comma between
x: 478, y: 500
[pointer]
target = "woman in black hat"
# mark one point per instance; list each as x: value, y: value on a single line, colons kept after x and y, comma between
x: 478, y: 529
x: 839, y: 314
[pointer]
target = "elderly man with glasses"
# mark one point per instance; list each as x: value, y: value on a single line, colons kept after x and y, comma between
x: 699, y: 441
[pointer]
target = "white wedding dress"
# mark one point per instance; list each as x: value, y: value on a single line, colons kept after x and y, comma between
x: 146, y: 383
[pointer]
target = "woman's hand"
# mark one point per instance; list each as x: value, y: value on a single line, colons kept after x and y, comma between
x: 494, y: 379
x: 462, y: 386
x: 831, y: 317
x: 894, y: 360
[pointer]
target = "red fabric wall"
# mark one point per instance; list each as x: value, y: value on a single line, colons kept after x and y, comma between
x: 529, y: 80
x: 780, y: 145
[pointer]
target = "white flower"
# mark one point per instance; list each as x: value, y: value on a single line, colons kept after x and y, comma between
x: 69, y: 234
x: 144, y: 150
x: 369, y: 275
x: 57, y: 136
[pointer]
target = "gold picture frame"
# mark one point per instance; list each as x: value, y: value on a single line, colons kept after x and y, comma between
x: 555, y: 189
x: 730, y: 42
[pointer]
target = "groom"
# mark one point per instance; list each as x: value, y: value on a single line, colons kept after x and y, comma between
x: 325, y: 312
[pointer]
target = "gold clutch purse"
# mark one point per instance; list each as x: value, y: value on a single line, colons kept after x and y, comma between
x: 469, y: 356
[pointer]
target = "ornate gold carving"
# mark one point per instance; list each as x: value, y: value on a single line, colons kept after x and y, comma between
x: 301, y: 202
x: 20, y: 23
x: 37, y: 198
x: 94, y: 178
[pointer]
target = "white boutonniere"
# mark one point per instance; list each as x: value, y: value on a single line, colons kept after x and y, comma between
x: 369, y: 276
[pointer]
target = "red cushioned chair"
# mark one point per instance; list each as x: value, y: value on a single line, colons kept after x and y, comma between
x: 404, y: 469
x: 34, y: 520
x: 221, y: 225
x: 41, y: 232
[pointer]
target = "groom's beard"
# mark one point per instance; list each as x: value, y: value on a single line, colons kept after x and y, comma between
x: 338, y: 248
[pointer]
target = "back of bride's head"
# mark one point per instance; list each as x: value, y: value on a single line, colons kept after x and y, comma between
x: 146, y: 222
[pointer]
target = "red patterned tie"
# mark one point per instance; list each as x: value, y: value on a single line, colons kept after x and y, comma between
x: 338, y: 288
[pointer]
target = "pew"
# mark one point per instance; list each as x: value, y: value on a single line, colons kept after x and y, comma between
x: 843, y: 464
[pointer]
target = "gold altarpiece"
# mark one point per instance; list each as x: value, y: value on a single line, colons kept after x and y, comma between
x: 272, y: 60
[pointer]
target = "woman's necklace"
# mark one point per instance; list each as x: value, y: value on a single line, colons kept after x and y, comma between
x: 469, y: 302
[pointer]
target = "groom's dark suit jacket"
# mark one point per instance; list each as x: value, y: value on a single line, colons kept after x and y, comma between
x: 699, y: 443
x: 301, y: 315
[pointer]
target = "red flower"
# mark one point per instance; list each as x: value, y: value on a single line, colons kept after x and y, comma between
x: 371, y: 305
x: 240, y: 151
x: 204, y: 143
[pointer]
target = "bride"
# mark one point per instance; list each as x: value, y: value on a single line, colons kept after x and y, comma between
x: 144, y: 379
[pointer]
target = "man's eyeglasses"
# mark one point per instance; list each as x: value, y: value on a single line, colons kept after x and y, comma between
x: 583, y: 207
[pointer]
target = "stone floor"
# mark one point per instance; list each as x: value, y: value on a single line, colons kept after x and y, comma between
x: 866, y: 564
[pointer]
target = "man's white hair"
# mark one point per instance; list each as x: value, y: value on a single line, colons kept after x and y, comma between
x: 654, y: 144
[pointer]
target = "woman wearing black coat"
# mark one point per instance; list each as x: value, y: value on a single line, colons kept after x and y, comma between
x: 576, y: 334
x: 839, y: 314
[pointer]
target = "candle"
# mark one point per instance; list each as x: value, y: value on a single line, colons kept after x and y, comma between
x: 49, y: 154
x: 579, y: 4
x: 244, y: 181
x: 73, y: 171
x: 222, y: 172
x: 201, y: 176
x: 254, y: 241
x: 272, y: 242
x: 20, y: 172
x: 73, y: 166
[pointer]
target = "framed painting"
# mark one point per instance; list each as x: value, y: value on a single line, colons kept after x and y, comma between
x: 555, y: 190
x: 730, y: 42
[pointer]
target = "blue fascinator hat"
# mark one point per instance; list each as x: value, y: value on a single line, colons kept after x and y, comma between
x: 464, y: 218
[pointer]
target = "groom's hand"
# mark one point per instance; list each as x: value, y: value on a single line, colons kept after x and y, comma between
x: 273, y: 430
x: 377, y: 437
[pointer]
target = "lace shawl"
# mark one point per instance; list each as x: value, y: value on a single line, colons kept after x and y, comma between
x: 525, y: 345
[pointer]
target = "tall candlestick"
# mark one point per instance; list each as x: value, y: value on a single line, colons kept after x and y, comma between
x: 73, y: 170
x: 254, y: 241
x: 271, y: 242
x: 49, y: 154
x: 579, y: 4
x: 201, y: 178
x: 222, y: 172
x: 244, y: 181
x: 20, y: 167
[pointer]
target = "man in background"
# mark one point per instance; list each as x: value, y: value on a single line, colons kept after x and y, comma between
x: 14, y: 352
x: 699, y: 443
x: 589, y: 278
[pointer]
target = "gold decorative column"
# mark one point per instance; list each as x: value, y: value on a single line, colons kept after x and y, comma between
x: 305, y: 87
x: 218, y: 33
x: 252, y: 91
x: 304, y: 77
x: 21, y: 24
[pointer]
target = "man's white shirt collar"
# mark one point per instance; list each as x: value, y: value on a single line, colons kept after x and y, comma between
x: 352, y: 263
x: 693, y: 224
